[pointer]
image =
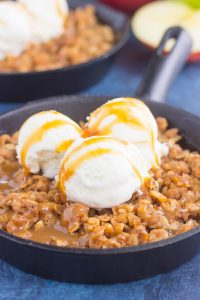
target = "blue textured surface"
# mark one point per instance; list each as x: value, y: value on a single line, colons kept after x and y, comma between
x: 182, y: 283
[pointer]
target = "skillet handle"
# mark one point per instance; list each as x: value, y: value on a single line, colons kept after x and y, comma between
x: 164, y: 68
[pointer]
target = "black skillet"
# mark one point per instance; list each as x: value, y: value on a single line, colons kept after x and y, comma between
x: 111, y: 265
x: 20, y: 87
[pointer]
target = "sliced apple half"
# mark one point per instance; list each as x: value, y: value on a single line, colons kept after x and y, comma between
x: 151, y: 21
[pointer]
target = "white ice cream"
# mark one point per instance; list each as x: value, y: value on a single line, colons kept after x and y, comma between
x: 29, y: 21
x: 101, y: 172
x: 15, y: 29
x: 47, y: 18
x: 129, y: 120
x: 43, y: 141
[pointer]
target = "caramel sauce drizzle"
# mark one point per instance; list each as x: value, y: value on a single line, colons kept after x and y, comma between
x: 38, y: 134
x: 57, y: 113
x: 59, y: 10
x: 62, y: 147
x: 54, y: 112
x: 64, y: 174
x: 120, y: 110
x: 36, y: 137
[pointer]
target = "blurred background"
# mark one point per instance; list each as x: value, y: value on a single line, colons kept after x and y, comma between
x: 126, y: 5
x: 132, y: 61
x: 149, y: 20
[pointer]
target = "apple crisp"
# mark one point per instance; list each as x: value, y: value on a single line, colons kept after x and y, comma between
x: 84, y: 39
x: 32, y: 207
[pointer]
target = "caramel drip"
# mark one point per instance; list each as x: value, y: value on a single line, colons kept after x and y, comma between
x: 59, y: 10
x: 156, y: 158
x: 120, y: 116
x: 45, y: 235
x: 36, y: 137
x: 64, y: 175
x: 121, y: 103
x: 89, y: 133
x: 62, y: 147
x: 121, y: 112
x: 54, y: 112
x: 71, y: 169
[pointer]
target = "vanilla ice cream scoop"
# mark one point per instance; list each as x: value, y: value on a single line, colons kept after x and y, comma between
x: 15, y: 29
x: 101, y: 172
x: 129, y: 120
x: 47, y: 17
x: 43, y: 140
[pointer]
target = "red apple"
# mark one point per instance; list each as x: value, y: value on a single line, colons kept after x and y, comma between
x: 151, y: 21
x: 126, y: 5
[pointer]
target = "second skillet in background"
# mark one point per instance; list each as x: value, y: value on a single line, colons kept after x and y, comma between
x: 23, y: 87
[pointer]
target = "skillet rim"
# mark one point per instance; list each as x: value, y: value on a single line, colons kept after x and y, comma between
x: 125, y: 31
x: 92, y: 251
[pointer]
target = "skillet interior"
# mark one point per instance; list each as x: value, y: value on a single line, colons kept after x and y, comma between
x: 90, y: 265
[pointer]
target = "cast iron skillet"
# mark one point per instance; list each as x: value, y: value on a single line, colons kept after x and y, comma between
x: 110, y: 265
x: 28, y: 86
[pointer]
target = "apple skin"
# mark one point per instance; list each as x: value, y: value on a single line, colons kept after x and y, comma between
x: 192, y: 3
x: 126, y: 5
x: 193, y: 58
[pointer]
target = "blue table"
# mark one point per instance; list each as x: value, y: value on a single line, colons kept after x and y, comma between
x: 182, y: 283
